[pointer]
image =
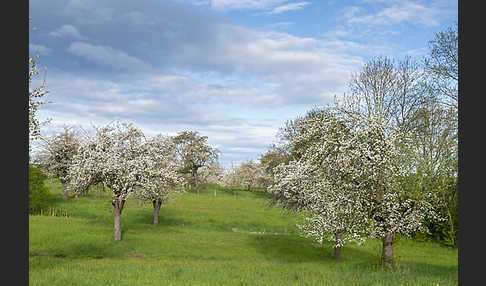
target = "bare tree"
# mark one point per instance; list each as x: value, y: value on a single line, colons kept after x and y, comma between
x: 442, y: 65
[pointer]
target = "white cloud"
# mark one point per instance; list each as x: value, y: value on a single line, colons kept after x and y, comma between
x: 67, y: 31
x: 107, y: 56
x: 399, y: 12
x: 244, y: 4
x: 289, y: 7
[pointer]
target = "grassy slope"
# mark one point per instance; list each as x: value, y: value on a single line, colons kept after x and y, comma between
x: 210, y: 240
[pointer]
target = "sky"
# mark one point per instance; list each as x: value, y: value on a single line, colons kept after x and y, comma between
x: 233, y: 70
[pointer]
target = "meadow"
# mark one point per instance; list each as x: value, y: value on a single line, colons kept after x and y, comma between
x: 220, y: 237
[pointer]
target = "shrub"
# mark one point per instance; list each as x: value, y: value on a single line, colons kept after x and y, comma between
x: 37, y: 189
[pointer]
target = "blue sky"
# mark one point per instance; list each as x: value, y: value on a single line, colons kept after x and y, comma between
x: 234, y: 70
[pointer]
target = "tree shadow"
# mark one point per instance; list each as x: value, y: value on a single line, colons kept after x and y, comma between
x: 292, y: 248
x: 145, y: 218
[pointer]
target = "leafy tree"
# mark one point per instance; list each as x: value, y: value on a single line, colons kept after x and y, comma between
x: 437, y: 131
x: 57, y: 155
x: 112, y: 156
x: 194, y: 153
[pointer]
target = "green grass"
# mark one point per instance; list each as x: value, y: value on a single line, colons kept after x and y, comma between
x: 232, y: 238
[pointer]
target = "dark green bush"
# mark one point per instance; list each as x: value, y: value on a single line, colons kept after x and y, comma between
x: 37, y: 189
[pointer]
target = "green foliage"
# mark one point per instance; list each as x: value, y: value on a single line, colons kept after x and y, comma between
x: 37, y: 189
x: 445, y: 202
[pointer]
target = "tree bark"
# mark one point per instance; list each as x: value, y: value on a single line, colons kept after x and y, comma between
x: 387, y: 251
x: 117, y: 211
x: 252, y: 188
x: 157, y: 204
x: 65, y: 194
x: 337, y: 249
x: 380, y: 186
x: 196, y: 182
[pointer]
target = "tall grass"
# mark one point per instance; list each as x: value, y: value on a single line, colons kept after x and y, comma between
x: 225, y: 237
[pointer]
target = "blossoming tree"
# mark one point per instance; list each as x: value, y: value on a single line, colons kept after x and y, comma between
x: 159, y: 175
x: 112, y: 156
x: 57, y: 155
x: 324, y: 182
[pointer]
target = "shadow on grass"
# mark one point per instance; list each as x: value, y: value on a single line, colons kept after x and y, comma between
x: 146, y: 218
x: 289, y: 248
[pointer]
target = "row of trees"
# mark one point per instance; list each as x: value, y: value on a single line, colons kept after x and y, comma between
x: 248, y: 174
x: 382, y: 159
x: 122, y: 158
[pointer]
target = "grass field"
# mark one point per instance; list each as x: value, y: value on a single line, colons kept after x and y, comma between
x: 232, y: 238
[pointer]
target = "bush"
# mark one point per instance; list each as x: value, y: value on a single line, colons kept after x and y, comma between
x: 37, y: 189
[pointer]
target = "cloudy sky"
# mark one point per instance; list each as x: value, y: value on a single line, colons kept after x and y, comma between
x: 234, y: 70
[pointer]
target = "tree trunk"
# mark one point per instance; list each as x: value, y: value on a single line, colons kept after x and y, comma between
x: 65, y: 194
x: 252, y: 188
x: 337, y: 249
x: 117, y: 211
x: 379, y: 194
x: 196, y: 182
x: 387, y: 252
x: 157, y: 204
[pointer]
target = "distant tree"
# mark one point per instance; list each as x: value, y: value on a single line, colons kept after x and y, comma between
x: 271, y: 159
x: 248, y: 174
x: 253, y: 174
x: 213, y: 173
x: 194, y: 153
x: 112, y: 156
x: 57, y: 155
x: 159, y: 175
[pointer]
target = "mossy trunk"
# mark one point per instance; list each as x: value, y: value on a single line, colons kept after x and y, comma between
x: 387, y: 251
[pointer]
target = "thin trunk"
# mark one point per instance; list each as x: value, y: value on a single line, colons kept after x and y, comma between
x: 248, y: 188
x: 196, y: 182
x: 65, y: 194
x: 451, y: 223
x: 157, y: 204
x: 387, y: 251
x: 337, y: 249
x: 252, y: 188
x: 117, y: 211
